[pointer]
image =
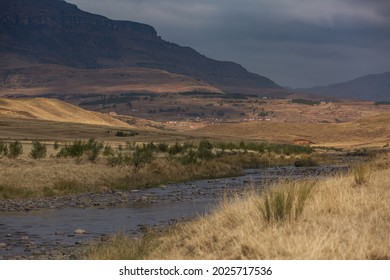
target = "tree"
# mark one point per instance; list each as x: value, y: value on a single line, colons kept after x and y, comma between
x: 38, y: 150
x: 15, y: 149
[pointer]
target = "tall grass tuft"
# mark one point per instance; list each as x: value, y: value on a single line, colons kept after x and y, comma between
x: 360, y: 174
x: 285, y: 203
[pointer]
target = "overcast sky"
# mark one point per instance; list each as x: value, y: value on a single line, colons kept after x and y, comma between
x: 296, y: 43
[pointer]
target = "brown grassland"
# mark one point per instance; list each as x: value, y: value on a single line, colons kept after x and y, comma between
x: 343, y: 217
x: 369, y: 131
x: 53, y: 110
x: 23, y: 179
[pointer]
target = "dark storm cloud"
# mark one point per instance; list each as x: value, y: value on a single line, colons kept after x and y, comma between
x: 294, y: 42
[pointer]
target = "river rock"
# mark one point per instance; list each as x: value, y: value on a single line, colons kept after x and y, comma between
x: 80, y: 231
x: 3, y: 245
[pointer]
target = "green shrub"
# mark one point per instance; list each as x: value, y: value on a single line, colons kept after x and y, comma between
x: 75, y: 150
x: 15, y: 149
x: 232, y: 146
x: 141, y: 156
x: 3, y: 149
x: 305, y: 102
x: 119, y: 159
x: 205, y: 150
x: 162, y: 147
x: 108, y: 151
x: 125, y: 134
x: 38, y: 150
x: 189, y: 158
x: 175, y: 149
x: 93, y: 149
x: 243, y: 146
x: 305, y: 162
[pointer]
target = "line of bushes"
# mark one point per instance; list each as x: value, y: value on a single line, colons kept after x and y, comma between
x: 305, y: 101
x: 11, y: 150
x: 79, y: 148
x: 137, y: 156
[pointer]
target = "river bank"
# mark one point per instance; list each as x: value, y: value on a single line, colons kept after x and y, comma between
x: 57, y: 228
x: 342, y: 217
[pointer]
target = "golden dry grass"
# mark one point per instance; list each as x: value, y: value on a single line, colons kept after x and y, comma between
x: 342, y: 220
x: 27, y: 178
x: 30, y: 129
x: 24, y: 178
x: 54, y: 110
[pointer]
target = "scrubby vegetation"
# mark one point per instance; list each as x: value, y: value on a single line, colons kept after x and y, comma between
x: 38, y: 150
x: 121, y: 133
x: 3, y: 149
x: 79, y: 148
x: 305, y: 102
x: 11, y: 149
x: 15, y: 149
x: 305, y: 162
x: 96, y: 166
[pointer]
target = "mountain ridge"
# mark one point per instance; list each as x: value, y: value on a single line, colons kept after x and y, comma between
x: 56, y: 32
x: 370, y: 87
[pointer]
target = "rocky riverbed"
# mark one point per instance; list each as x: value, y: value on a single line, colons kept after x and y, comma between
x: 56, y: 228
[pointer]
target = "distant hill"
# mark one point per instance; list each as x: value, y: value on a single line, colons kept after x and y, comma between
x: 36, y: 34
x: 53, y: 110
x: 371, y: 87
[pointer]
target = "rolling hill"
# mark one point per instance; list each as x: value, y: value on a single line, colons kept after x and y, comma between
x: 53, y: 110
x: 370, y: 87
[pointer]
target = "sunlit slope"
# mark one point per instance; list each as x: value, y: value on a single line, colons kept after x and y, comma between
x: 48, y: 79
x: 53, y: 110
x: 369, y: 131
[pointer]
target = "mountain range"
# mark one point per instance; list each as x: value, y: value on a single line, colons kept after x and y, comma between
x: 370, y: 87
x: 46, y: 42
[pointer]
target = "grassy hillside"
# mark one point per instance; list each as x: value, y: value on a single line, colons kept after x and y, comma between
x: 53, y: 110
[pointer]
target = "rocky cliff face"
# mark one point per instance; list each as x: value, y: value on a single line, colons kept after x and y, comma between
x: 56, y: 14
x: 56, y: 32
